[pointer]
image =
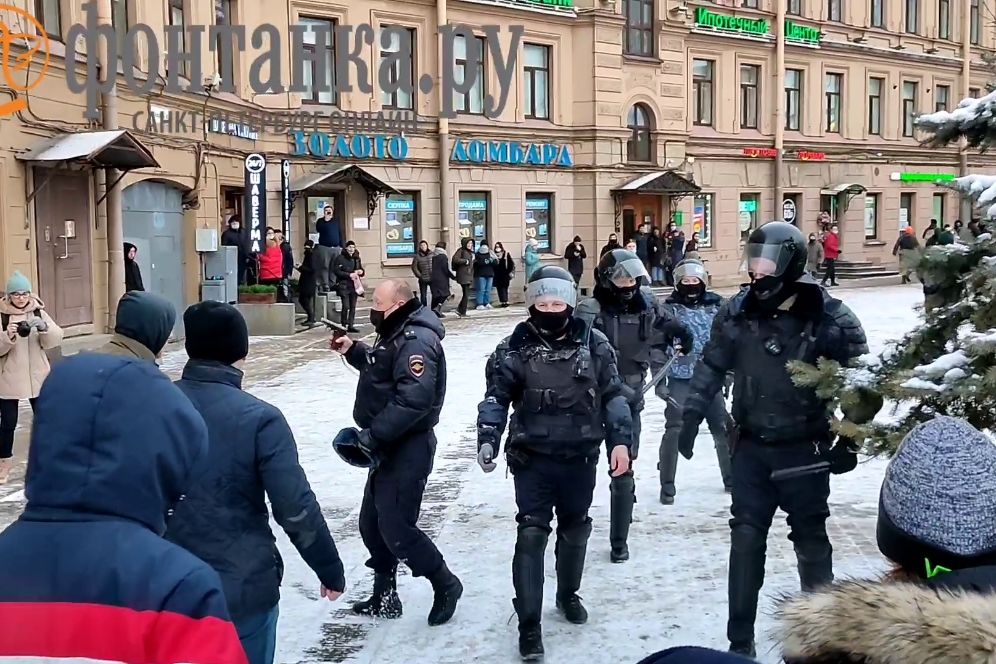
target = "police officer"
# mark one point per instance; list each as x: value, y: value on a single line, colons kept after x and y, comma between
x: 398, y: 399
x: 782, y: 444
x: 563, y: 385
x: 627, y: 313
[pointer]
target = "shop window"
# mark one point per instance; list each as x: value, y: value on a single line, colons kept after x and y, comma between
x: 539, y: 220
x: 474, y: 215
x: 400, y: 92
x: 401, y: 225
x: 906, y: 207
x: 319, y: 45
x: 750, y: 78
x: 639, y: 27
x: 878, y: 13
x: 909, y: 107
x: 702, y: 214
x: 793, y: 99
x: 871, y: 215
x: 912, y: 25
x: 536, y: 72
x: 875, y: 87
x: 468, y: 64
x: 49, y: 14
x: 702, y: 91
x: 640, y: 146
x: 834, y: 90
x: 942, y: 97
x: 944, y: 19
x: 747, y: 218
x: 938, y: 208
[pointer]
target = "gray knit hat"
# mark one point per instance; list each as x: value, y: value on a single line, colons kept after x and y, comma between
x: 938, y: 500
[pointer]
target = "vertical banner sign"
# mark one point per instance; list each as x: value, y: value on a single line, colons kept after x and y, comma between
x: 255, y: 193
x: 285, y: 195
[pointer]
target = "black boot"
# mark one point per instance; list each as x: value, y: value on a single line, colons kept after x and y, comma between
x: 745, y: 648
x: 747, y: 555
x: 622, y: 496
x: 384, y: 603
x: 572, y: 543
x: 448, y: 590
x: 527, y: 579
x: 815, y: 559
x: 668, y: 465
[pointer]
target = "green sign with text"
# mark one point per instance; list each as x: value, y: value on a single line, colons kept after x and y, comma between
x: 800, y: 34
x: 549, y: 3
x: 926, y: 177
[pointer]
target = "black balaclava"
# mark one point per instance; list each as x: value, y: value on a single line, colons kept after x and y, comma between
x: 551, y: 323
x: 690, y: 293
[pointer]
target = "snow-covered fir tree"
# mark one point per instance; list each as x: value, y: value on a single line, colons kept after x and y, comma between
x: 947, y: 364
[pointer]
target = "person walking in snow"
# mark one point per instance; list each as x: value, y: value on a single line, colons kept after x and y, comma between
x: 441, y: 278
x: 484, y: 275
x: 348, y: 269
x: 463, y: 267
x: 908, y: 250
x: 814, y: 256
x: 575, y: 254
x: 422, y: 269
x: 143, y: 325
x: 26, y: 332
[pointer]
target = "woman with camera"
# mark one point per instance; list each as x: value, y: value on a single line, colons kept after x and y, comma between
x: 27, y: 332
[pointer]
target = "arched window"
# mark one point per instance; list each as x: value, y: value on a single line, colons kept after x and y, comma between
x: 640, y: 146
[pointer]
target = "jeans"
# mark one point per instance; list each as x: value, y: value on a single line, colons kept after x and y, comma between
x: 657, y: 274
x: 483, y: 285
x: 423, y: 291
x: 258, y: 635
x: 8, y: 424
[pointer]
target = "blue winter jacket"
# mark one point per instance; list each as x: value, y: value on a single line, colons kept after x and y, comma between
x: 224, y: 519
x: 698, y: 318
x: 84, y: 571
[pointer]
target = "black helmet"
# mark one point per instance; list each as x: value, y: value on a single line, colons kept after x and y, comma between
x: 776, y: 256
x: 347, y: 445
x: 622, y: 273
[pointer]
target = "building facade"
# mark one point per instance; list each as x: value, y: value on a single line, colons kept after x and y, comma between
x: 717, y: 116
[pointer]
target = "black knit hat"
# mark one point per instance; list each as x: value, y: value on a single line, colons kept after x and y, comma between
x: 216, y: 332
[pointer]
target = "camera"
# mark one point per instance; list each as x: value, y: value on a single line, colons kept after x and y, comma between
x: 24, y: 327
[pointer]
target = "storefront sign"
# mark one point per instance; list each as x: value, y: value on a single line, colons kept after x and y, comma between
x: 511, y: 153
x: 547, y: 3
x: 220, y: 126
x: 286, y: 197
x: 788, y: 210
x: 399, y: 217
x: 255, y: 193
x: 766, y: 153
x: 922, y: 177
x: 345, y: 146
x: 728, y: 23
x: 806, y: 155
x: 802, y: 34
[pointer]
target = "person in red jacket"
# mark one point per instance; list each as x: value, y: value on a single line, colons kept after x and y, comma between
x: 271, y: 261
x: 831, y: 252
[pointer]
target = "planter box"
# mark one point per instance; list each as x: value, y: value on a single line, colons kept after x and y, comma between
x: 268, y: 320
x: 257, y: 298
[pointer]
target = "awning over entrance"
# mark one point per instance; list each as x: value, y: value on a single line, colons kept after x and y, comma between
x: 849, y: 188
x: 95, y: 149
x: 374, y: 186
x: 665, y: 183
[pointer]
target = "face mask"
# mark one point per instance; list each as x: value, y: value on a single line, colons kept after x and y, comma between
x: 628, y: 293
x: 377, y: 319
x: 691, y: 292
x: 769, y: 292
x: 550, y: 322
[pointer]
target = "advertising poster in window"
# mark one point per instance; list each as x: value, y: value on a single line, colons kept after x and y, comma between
x: 702, y: 218
x: 399, y: 225
x: 538, y: 221
x: 871, y: 217
x: 472, y: 216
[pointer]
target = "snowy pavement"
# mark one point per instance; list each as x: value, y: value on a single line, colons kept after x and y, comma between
x: 671, y: 592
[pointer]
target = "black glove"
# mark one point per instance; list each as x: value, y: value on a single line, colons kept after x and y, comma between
x: 686, y: 341
x: 366, y: 442
x: 686, y: 439
x: 843, y: 456
x: 487, y: 435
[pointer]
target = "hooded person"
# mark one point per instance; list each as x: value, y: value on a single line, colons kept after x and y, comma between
x: 937, y: 524
x: 441, y: 278
x: 133, y: 273
x: 144, y: 323
x: 86, y: 574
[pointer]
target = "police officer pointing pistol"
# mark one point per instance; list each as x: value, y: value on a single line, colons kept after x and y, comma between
x: 625, y: 311
x: 561, y: 380
x: 782, y: 451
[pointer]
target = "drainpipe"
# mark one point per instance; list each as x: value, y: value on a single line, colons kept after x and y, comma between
x: 779, y: 89
x: 966, y: 76
x: 444, y: 131
x: 112, y: 204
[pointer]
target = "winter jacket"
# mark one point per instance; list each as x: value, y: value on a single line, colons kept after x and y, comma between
x: 288, y: 260
x: 815, y: 255
x: 307, y: 282
x: 441, y: 275
x: 143, y: 327
x: 642, y: 246
x: 234, y: 238
x: 676, y: 248
x: 657, y: 249
x: 692, y: 248
x: 609, y: 246
x: 698, y: 318
x: 484, y: 265
x: 831, y: 247
x: 965, y: 235
x: 224, y: 521
x: 133, y: 273
x: 329, y: 233
x: 949, y: 620
x: 504, y: 270
x: 271, y: 264
x: 122, y: 346
x: 531, y: 259
x: 86, y: 574
x: 422, y: 266
x: 929, y: 231
x: 694, y: 655
x: 23, y: 362
x: 463, y: 266
x: 575, y: 259
x: 343, y: 266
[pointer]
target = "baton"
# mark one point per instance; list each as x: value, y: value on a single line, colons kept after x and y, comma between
x: 800, y: 471
x: 659, y: 376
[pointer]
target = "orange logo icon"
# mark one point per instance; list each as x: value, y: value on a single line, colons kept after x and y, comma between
x: 26, y: 32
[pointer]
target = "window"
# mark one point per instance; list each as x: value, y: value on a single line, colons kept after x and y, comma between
x: 909, y: 107
x: 905, y: 210
x: 750, y: 76
x: 177, y: 19
x: 877, y: 13
x: 942, y: 97
x: 537, y: 76
x: 795, y: 7
x: 119, y: 19
x: 749, y: 204
x: 875, y: 87
x: 319, y: 45
x: 871, y: 216
x: 402, y: 98
x: 640, y: 146
x: 702, y: 98
x: 793, y: 98
x: 224, y: 14
x: 473, y: 215
x: 834, y: 88
x: 49, y: 15
x: 833, y: 10
x: 401, y: 225
x: 939, y: 203
x: 472, y: 101
x: 912, y: 16
x: 944, y: 19
x: 539, y: 220
x: 976, y: 23
x: 639, y: 37
x: 702, y: 218
x: 751, y: 4
x: 974, y: 93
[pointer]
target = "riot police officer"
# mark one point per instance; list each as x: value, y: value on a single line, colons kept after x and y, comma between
x: 782, y: 454
x: 562, y: 383
x: 627, y: 313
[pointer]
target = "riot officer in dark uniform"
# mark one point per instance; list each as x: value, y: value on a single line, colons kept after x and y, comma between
x: 561, y: 380
x: 627, y: 313
x: 782, y: 446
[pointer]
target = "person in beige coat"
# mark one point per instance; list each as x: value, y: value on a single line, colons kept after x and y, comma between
x: 28, y: 331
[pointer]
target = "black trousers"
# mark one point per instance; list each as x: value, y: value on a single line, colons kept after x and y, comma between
x: 348, y: 314
x: 677, y: 394
x: 502, y: 293
x: 392, y: 501
x: 423, y: 291
x: 462, y: 307
x: 307, y: 301
x: 544, y: 484
x: 756, y: 496
x: 831, y: 271
x: 437, y: 302
x: 8, y: 424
